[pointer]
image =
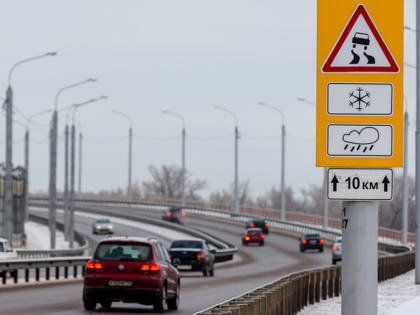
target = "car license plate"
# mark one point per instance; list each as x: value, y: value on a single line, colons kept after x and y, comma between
x: 120, y: 283
x: 184, y: 267
x: 313, y: 242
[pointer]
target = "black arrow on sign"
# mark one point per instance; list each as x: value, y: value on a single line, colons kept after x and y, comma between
x: 385, y: 182
x: 334, y: 181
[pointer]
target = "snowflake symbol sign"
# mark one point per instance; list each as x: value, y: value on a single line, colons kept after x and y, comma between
x: 359, y: 99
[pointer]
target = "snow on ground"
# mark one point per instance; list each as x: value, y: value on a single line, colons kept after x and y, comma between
x: 398, y: 296
x: 38, y: 237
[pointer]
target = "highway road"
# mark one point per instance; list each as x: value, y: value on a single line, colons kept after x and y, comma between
x: 258, y: 266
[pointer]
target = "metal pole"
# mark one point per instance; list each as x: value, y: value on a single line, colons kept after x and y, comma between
x: 66, y: 182
x: 53, y: 180
x: 26, y: 215
x: 325, y: 198
x: 71, y: 199
x: 80, y: 163
x: 8, y: 189
x: 236, y: 208
x: 183, y: 166
x: 405, y: 182
x: 417, y: 262
x: 130, y: 152
x: 283, y: 170
x: 360, y: 258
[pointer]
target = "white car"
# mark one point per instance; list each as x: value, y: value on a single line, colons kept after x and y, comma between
x: 5, y: 251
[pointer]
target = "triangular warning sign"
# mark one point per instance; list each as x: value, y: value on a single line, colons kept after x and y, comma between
x: 360, y: 48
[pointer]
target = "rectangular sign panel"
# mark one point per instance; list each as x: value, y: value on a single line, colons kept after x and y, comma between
x: 360, y: 98
x: 360, y: 52
x: 360, y: 184
x: 359, y: 140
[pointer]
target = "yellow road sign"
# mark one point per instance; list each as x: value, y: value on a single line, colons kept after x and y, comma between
x: 360, y: 83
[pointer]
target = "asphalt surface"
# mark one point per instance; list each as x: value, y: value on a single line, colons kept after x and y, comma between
x: 258, y: 266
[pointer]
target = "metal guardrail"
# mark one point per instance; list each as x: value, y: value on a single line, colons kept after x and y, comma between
x: 292, y: 293
x: 47, y: 267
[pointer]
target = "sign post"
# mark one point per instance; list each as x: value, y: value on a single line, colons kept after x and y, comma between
x: 360, y: 128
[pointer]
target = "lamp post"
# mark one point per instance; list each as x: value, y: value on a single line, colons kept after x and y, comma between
x: 183, y: 152
x: 7, y: 215
x: 283, y: 160
x: 28, y: 121
x: 235, y: 204
x: 53, y: 164
x: 130, y: 152
x: 325, y: 180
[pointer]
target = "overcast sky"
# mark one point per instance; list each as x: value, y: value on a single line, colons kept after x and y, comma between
x: 185, y: 56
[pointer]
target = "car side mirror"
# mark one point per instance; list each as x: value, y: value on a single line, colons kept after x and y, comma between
x: 213, y: 251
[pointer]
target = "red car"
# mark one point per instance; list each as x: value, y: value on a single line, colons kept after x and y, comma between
x: 254, y: 235
x: 131, y: 270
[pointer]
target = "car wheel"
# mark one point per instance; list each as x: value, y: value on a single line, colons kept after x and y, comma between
x: 161, y: 305
x: 302, y: 250
x: 321, y: 249
x: 106, y: 304
x: 173, y: 303
x: 211, y: 271
x: 206, y: 270
x: 334, y: 262
x: 89, y: 304
x: 262, y: 243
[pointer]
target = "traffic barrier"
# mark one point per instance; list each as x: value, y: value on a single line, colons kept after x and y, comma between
x: 292, y: 293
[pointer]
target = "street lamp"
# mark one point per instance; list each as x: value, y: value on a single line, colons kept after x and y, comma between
x: 28, y: 122
x: 235, y: 205
x: 325, y: 179
x: 283, y: 161
x: 183, y: 151
x: 130, y: 152
x: 53, y: 164
x: 8, y: 213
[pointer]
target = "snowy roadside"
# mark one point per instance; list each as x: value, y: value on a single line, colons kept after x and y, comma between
x: 38, y: 237
x: 398, y: 296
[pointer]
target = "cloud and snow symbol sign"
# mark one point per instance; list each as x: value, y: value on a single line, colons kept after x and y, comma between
x: 357, y: 140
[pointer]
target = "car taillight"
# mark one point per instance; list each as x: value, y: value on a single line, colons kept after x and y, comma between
x: 262, y: 235
x: 150, y: 267
x: 168, y: 214
x: 170, y: 255
x: 200, y: 255
x: 183, y: 213
x: 247, y: 238
x: 93, y: 265
x: 321, y: 241
x: 335, y: 248
x: 252, y: 225
x: 266, y: 224
x: 304, y: 241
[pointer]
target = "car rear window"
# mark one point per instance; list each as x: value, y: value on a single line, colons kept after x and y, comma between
x: 312, y: 236
x: 124, y: 252
x: 254, y: 232
x: 2, y: 249
x: 187, y: 244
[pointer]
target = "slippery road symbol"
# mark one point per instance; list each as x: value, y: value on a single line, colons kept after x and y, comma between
x: 362, y: 140
x: 361, y: 39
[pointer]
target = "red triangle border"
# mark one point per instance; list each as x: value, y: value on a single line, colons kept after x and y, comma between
x: 360, y: 10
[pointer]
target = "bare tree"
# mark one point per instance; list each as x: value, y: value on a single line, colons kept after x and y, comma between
x: 226, y: 196
x: 167, y: 182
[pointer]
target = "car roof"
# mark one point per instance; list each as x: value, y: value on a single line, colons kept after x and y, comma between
x: 129, y: 239
x: 189, y: 239
x: 257, y: 220
x: 254, y: 229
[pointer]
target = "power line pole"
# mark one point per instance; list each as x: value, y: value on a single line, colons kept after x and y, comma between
x: 72, y: 173
x: 66, y: 182
x: 53, y: 180
x: 236, y: 189
x: 283, y: 170
x: 183, y: 166
x: 130, y: 152
x: 26, y: 215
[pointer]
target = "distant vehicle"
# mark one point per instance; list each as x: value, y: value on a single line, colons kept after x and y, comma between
x: 336, y: 251
x: 173, y: 215
x: 253, y: 235
x: 193, y: 255
x: 361, y: 39
x: 102, y: 226
x: 6, y: 253
x: 131, y: 270
x: 258, y: 223
x: 311, y: 241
